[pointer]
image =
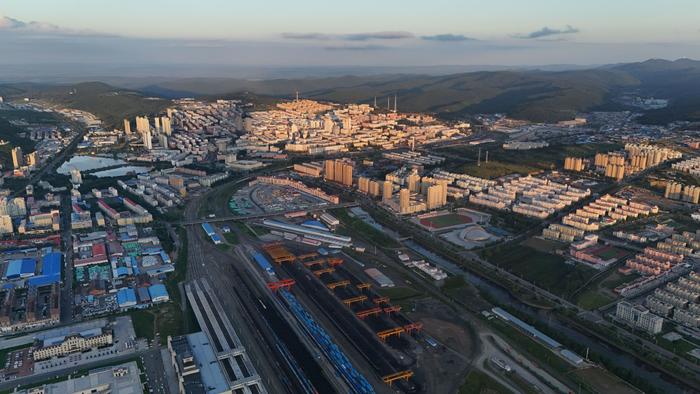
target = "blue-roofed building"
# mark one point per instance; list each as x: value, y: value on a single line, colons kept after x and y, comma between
x: 164, y: 256
x: 151, y: 250
x: 158, y: 271
x: 263, y: 262
x: 20, y: 268
x: 14, y: 267
x: 208, y: 229
x: 28, y: 268
x: 121, y: 272
x: 216, y: 239
x: 158, y: 293
x: 547, y: 340
x: 126, y: 298
x: 51, y: 264
x: 42, y: 280
x: 143, y: 295
x: 315, y: 224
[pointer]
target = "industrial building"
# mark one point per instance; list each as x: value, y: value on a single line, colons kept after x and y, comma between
x: 195, y: 365
x: 309, y: 233
x: 118, y: 379
x: 218, y: 345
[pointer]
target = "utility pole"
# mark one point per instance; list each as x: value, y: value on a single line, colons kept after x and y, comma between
x: 487, y: 157
x: 478, y: 160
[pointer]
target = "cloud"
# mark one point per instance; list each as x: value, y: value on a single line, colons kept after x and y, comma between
x: 448, y: 38
x: 307, y: 36
x: 33, y: 28
x: 380, y: 35
x: 7, y: 23
x: 356, y: 48
x: 548, y: 32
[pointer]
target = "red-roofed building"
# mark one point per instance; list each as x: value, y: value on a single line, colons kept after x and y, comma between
x: 99, y: 250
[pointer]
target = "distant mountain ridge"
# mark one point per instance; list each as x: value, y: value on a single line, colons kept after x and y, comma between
x: 535, y: 95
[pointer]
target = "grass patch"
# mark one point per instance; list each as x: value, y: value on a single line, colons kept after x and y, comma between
x: 244, y: 227
x: 364, y: 230
x: 680, y: 347
x: 165, y: 319
x: 524, y: 162
x: 454, y: 283
x: 543, y: 355
x: 544, y: 245
x: 143, y: 321
x: 545, y: 270
x: 259, y: 230
x: 478, y: 382
x: 231, y: 238
x: 598, y: 380
x: 616, y: 279
x: 593, y: 299
x: 496, y: 169
x: 164, y: 237
x: 400, y: 293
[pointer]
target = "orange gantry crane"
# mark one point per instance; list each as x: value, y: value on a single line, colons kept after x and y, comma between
x: 392, y: 309
x: 284, y: 283
x: 389, y: 379
x: 368, y: 312
x: 307, y: 256
x: 323, y: 271
x: 381, y: 300
x: 363, y: 286
x: 350, y: 301
x: 333, y: 261
x: 415, y: 326
x: 309, y: 264
x: 279, y: 253
x: 383, y: 335
x: 342, y: 283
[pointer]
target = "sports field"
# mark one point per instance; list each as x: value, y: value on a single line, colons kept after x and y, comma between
x: 444, y: 221
x: 610, y: 252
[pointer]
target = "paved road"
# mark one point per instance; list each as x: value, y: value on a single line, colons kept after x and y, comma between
x: 66, y: 299
x: 155, y: 373
x: 495, y: 347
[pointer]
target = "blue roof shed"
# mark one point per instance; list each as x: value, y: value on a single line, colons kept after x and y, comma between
x: 126, y: 297
x: 51, y: 264
x: 158, y: 292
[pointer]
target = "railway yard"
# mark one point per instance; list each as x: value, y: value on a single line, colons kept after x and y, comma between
x: 318, y: 305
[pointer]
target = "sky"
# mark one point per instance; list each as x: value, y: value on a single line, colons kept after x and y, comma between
x: 347, y: 33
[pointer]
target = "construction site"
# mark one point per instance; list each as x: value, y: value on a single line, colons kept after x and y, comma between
x: 376, y: 329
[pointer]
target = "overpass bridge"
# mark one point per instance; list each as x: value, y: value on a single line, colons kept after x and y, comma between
x: 265, y: 215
